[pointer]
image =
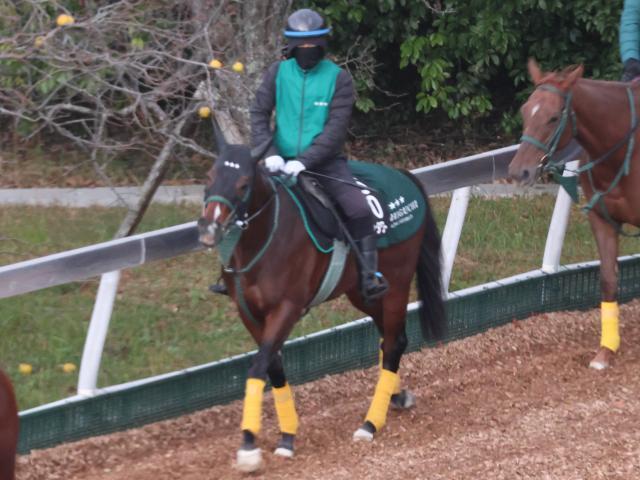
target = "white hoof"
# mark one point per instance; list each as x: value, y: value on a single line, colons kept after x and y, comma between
x: 283, y: 452
x: 361, y: 435
x: 597, y: 365
x: 249, y: 460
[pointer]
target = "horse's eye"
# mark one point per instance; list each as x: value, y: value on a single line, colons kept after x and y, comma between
x: 553, y: 119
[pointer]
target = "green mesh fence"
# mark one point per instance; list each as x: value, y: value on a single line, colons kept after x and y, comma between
x: 352, y: 346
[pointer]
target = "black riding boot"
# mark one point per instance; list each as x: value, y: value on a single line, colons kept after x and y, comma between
x: 373, y: 285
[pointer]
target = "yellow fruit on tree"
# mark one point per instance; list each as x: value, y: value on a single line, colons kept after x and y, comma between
x: 215, y: 63
x: 39, y: 42
x: 238, y: 67
x: 68, y: 367
x: 204, y: 112
x: 64, y: 20
x: 25, y: 368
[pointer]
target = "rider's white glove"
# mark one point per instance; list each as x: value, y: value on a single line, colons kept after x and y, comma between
x: 293, y: 167
x: 274, y: 163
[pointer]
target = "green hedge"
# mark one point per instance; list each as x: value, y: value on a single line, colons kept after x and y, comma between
x: 468, y: 57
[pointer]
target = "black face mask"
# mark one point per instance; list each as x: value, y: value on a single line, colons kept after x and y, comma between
x: 309, y: 57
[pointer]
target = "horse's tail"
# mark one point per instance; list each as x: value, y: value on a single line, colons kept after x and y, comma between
x: 433, y: 318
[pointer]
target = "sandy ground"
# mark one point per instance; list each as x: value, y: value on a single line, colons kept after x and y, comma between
x: 516, y: 402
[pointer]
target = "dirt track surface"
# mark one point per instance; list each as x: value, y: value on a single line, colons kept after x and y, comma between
x: 515, y: 402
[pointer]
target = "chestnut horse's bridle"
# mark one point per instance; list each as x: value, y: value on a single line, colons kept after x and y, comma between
x: 548, y: 164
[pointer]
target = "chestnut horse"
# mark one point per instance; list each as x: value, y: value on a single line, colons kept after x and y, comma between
x: 601, y: 116
x: 8, y: 428
x: 273, y: 273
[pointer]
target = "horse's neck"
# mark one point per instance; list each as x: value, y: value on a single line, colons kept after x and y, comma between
x: 602, y: 114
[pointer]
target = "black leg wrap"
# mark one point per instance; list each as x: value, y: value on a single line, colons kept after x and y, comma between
x: 286, y: 441
x: 248, y: 440
x: 403, y: 400
x: 368, y: 426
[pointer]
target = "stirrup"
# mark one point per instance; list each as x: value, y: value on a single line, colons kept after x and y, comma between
x: 219, y: 288
x: 374, y: 286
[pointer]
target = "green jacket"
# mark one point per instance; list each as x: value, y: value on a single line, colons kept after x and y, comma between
x: 313, y: 110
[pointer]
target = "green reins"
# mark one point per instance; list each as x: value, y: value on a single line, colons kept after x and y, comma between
x: 232, y: 231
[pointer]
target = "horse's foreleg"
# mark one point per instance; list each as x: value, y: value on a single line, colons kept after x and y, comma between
x: 607, y: 242
x: 249, y: 457
x: 285, y: 407
x: 277, y: 326
x: 388, y: 386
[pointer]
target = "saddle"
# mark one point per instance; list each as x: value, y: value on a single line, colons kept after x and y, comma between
x: 397, y: 195
x: 321, y: 217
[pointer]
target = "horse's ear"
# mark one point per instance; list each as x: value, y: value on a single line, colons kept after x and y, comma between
x: 534, y: 71
x: 258, y: 152
x: 221, y: 142
x: 571, y: 78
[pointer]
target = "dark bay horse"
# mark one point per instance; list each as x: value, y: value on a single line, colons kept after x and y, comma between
x: 8, y: 428
x: 602, y: 117
x: 273, y: 272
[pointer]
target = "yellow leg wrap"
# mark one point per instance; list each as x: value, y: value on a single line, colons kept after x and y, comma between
x: 286, y: 409
x: 377, y: 413
x: 610, y: 337
x: 252, y: 410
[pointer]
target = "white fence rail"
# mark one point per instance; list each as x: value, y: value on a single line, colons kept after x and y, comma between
x: 108, y: 258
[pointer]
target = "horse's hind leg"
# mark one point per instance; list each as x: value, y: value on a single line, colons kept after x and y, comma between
x: 285, y: 407
x: 401, y: 398
x: 393, y: 346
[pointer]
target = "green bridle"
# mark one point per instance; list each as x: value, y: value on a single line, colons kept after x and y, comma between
x: 232, y: 230
x: 556, y: 167
x: 551, y: 145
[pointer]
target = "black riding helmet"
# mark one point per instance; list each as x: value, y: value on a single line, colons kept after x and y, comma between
x: 305, y: 26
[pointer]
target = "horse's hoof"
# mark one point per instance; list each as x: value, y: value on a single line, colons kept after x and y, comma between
x: 597, y: 365
x: 249, y: 460
x: 602, y: 360
x: 403, y: 400
x: 365, y: 432
x: 362, y: 435
x: 283, y: 452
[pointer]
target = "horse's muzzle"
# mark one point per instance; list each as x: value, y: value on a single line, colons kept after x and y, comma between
x: 208, y: 233
x: 525, y: 175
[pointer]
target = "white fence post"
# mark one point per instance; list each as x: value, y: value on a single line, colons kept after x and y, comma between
x: 452, y: 231
x: 97, y: 333
x: 558, y: 225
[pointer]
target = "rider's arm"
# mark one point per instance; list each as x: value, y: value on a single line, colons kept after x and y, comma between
x: 262, y: 107
x: 329, y: 143
x: 630, y: 30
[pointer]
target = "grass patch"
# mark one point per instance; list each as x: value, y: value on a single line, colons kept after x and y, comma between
x: 165, y: 319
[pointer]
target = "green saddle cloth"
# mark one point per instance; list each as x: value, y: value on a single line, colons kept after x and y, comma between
x: 402, y: 201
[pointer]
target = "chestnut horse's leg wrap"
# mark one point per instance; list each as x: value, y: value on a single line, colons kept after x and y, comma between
x: 252, y: 409
x: 610, y: 337
x: 377, y: 413
x: 286, y: 409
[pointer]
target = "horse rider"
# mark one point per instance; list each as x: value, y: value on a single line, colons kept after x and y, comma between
x: 630, y: 40
x: 313, y: 98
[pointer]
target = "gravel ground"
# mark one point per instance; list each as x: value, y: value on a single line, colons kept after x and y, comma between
x: 515, y: 402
